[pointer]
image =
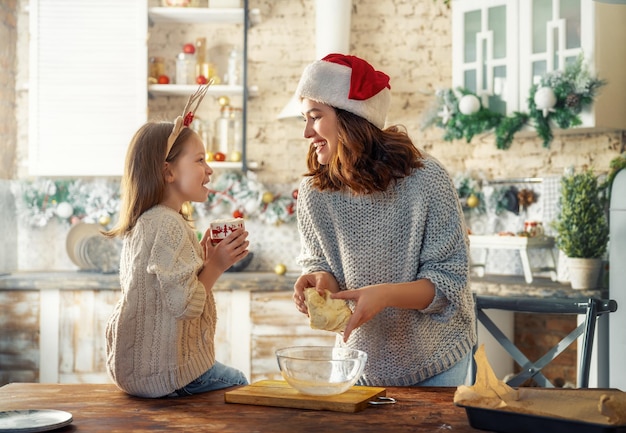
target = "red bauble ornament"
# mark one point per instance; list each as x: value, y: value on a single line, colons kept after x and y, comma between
x: 294, y: 194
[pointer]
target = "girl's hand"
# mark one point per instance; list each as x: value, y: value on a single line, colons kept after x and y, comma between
x: 320, y: 280
x: 226, y: 253
x: 368, y: 302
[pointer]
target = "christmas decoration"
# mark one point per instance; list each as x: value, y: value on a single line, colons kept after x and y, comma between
x: 470, y: 194
x: 457, y: 125
x: 234, y: 191
x: 64, y: 210
x: 97, y: 201
x: 545, y: 100
x: 280, y: 269
x: 70, y: 201
x: 557, y: 99
x: 469, y: 104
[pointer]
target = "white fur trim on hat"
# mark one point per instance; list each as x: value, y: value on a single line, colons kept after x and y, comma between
x: 329, y: 83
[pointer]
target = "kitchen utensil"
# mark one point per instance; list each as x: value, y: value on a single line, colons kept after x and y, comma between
x: 320, y: 370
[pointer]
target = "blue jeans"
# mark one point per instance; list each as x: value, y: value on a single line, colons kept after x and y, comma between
x: 217, y: 377
x: 455, y: 376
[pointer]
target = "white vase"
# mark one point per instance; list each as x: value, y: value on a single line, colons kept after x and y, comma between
x: 584, y: 273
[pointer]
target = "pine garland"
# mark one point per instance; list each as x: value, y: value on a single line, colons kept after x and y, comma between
x: 41, y: 200
x: 574, y: 89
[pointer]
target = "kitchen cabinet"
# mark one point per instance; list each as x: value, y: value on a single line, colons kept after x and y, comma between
x: 88, y: 95
x: 502, y: 47
x: 210, y: 16
x: 87, y: 85
x: 485, y: 51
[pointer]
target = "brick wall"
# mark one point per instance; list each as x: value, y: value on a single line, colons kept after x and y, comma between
x: 535, y: 334
x: 8, y: 125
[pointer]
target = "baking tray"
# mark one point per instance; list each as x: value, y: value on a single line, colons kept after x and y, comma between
x: 511, y: 422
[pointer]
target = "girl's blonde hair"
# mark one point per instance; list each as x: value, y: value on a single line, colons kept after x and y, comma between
x: 143, y: 182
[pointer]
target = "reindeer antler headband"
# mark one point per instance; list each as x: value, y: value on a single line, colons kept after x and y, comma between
x: 187, y: 117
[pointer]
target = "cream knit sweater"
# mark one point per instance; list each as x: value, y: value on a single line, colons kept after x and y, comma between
x: 412, y: 231
x: 160, y: 336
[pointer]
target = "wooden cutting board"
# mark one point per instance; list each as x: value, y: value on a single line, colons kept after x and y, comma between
x: 279, y: 393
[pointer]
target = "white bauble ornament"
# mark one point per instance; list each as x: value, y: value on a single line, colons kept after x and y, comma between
x: 469, y: 104
x: 64, y: 210
x: 545, y: 100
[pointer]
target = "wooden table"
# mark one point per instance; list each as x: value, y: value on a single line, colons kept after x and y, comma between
x: 104, y: 408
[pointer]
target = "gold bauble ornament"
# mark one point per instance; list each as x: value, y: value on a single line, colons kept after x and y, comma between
x: 268, y: 197
x: 472, y: 201
x: 223, y: 101
x: 280, y: 269
x: 104, y: 220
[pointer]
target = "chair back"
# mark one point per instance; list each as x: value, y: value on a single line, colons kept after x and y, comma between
x: 591, y: 308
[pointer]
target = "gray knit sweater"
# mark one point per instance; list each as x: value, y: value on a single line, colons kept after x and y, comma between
x: 160, y: 335
x: 413, y: 230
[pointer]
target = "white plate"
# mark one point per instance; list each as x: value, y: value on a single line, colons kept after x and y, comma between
x: 36, y: 420
x: 77, y: 234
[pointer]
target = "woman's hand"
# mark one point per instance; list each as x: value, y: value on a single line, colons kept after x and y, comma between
x: 368, y: 302
x: 320, y: 280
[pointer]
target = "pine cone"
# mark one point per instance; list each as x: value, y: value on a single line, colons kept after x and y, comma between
x: 572, y: 100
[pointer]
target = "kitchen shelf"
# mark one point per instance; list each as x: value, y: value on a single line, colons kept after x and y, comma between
x: 218, y: 165
x: 200, y: 15
x: 187, y: 89
x: 211, y: 16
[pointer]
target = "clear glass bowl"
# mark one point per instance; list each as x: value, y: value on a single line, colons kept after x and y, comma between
x: 320, y: 370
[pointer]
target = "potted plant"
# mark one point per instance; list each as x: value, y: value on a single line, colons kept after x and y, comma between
x: 582, y: 227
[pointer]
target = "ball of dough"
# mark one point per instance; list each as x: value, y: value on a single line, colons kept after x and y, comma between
x: 325, y: 313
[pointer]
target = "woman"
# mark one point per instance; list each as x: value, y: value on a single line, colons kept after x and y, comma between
x: 381, y: 227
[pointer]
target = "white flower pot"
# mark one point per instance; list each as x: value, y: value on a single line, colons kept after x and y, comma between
x: 584, y: 273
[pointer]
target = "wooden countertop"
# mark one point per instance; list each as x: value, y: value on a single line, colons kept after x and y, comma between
x: 498, y: 285
x: 104, y: 408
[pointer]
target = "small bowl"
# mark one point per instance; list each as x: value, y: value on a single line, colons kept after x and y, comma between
x: 320, y: 370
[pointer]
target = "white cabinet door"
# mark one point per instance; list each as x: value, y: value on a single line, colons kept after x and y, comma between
x: 485, y: 51
x: 553, y: 36
x: 555, y: 32
x: 87, y: 86
x: 501, y: 48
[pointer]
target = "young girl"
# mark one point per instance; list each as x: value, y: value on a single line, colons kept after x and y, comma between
x: 160, y: 337
x: 381, y: 227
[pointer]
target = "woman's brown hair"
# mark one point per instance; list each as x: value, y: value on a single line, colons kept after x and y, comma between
x: 143, y: 182
x: 367, y: 159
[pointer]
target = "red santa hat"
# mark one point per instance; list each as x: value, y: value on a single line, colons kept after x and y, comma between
x: 348, y: 83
